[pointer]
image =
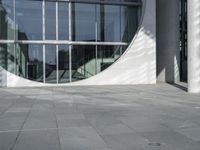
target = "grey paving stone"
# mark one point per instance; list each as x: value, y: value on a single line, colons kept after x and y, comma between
x: 101, y: 118
x: 114, y: 129
x: 190, y: 132
x: 37, y: 140
x: 7, y: 140
x: 81, y: 138
x: 12, y: 121
x: 128, y: 141
x: 40, y: 120
x: 73, y: 123
x: 142, y: 124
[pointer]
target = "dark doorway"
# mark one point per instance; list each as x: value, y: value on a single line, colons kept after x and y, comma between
x: 183, y: 39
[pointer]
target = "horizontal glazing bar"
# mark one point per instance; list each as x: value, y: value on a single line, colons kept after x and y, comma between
x: 62, y: 42
x: 108, y: 2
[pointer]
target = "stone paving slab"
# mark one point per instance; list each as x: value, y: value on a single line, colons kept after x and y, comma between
x: 140, y: 117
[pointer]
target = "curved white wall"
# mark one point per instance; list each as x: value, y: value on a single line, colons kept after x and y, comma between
x: 136, y: 66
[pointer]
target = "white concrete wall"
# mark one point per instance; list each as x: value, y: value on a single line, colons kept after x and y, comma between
x: 193, y: 46
x: 136, y: 66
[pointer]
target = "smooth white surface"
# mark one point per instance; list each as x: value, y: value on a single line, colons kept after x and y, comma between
x: 194, y: 46
x: 136, y: 66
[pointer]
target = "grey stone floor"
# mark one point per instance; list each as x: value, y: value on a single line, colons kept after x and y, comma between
x: 142, y: 117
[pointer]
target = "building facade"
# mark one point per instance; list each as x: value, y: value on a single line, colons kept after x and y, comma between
x: 84, y: 42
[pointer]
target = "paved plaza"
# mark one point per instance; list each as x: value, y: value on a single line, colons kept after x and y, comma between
x: 140, y: 117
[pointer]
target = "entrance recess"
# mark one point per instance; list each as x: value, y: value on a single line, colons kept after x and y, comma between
x: 183, y: 39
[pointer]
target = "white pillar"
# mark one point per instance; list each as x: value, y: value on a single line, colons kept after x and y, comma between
x: 193, y: 46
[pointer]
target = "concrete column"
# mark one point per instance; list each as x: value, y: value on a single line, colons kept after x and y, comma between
x: 168, y: 41
x: 194, y: 46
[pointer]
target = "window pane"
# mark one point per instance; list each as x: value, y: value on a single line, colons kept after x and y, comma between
x: 63, y: 23
x: 108, y: 18
x: 83, y: 22
x: 3, y: 55
x: 129, y: 22
x: 83, y: 62
x: 11, y: 58
x: 51, y: 64
x: 50, y: 20
x: 29, y: 62
x: 6, y: 20
x: 63, y: 55
x: 107, y: 55
x: 28, y: 20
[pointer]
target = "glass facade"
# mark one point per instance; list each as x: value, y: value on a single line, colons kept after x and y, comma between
x: 64, y: 41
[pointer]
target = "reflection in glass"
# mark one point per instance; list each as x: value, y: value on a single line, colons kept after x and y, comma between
x: 28, y: 20
x: 11, y: 59
x: 3, y: 55
x: 63, y: 23
x: 29, y: 61
x: 129, y: 22
x: 83, y: 62
x: 83, y: 22
x: 63, y: 57
x: 107, y: 55
x: 108, y: 23
x: 6, y: 20
x: 50, y: 20
x: 50, y: 64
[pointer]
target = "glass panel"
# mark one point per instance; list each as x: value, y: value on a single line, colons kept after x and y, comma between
x: 50, y: 20
x: 107, y: 55
x: 63, y: 23
x: 11, y: 58
x: 28, y: 20
x: 83, y: 62
x: 6, y: 20
x: 3, y: 55
x: 50, y: 64
x: 83, y: 22
x: 63, y: 57
x: 29, y: 62
x: 129, y: 22
x: 108, y: 23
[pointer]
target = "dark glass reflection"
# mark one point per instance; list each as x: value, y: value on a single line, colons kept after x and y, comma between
x: 107, y: 55
x: 63, y: 23
x: 50, y: 64
x: 83, y: 22
x: 11, y: 58
x: 50, y: 20
x: 6, y: 20
x: 29, y: 62
x: 63, y: 57
x: 108, y: 23
x: 129, y: 22
x: 28, y: 20
x: 83, y: 62
x: 3, y: 55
